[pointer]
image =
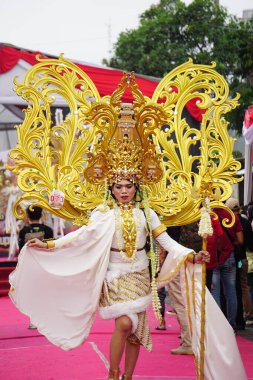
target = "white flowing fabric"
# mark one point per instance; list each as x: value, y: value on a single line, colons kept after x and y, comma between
x: 222, y: 359
x: 67, y: 281
x: 60, y: 290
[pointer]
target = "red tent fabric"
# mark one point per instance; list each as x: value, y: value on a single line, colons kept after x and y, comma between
x: 105, y: 79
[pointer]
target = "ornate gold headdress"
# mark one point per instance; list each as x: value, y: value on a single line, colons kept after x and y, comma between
x: 125, y: 155
x: 149, y: 141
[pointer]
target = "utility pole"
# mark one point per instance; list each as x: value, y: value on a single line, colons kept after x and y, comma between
x: 109, y: 37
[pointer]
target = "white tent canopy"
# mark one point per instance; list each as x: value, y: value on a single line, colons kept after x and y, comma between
x: 14, y: 63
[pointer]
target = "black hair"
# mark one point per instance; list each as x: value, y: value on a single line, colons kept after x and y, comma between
x: 34, y: 213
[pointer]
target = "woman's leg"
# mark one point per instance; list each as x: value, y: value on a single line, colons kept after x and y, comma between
x: 132, y: 353
x: 123, y: 326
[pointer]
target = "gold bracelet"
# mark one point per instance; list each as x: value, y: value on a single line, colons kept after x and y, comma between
x: 50, y: 244
x: 158, y: 230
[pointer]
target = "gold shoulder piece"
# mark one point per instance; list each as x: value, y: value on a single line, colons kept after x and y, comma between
x: 191, y: 258
x: 158, y: 230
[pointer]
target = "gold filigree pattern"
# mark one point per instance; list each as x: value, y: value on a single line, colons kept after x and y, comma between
x: 130, y: 231
x: 50, y: 156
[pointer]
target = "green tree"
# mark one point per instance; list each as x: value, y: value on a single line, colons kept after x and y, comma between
x: 171, y: 32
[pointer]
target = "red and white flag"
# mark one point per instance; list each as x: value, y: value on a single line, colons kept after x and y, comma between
x: 247, y: 129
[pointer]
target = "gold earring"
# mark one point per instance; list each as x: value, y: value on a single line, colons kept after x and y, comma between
x: 137, y: 196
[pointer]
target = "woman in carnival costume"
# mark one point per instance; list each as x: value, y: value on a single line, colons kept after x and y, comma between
x: 109, y: 266
x: 121, y: 270
x: 60, y: 284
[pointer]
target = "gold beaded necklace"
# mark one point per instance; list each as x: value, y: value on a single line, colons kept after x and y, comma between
x: 130, y: 230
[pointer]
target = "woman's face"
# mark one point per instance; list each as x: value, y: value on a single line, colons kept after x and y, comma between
x: 124, y: 191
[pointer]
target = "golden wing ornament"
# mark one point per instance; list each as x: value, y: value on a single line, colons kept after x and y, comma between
x: 101, y: 139
x: 51, y: 156
x: 189, y: 179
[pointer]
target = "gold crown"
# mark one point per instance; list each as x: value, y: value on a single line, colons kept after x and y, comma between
x: 125, y: 155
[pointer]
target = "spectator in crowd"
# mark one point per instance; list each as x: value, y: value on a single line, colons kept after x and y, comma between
x: 250, y: 213
x: 162, y: 296
x: 191, y: 239
x: 225, y: 273
x: 245, y: 308
x: 189, y: 235
x: 250, y: 278
x: 34, y: 229
x: 250, y: 254
x: 174, y: 233
x: 213, y: 247
x: 175, y: 294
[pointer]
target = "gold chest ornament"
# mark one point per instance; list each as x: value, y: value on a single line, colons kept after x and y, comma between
x: 128, y: 229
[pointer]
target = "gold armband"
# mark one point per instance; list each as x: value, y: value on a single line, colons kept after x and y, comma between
x: 191, y: 258
x: 158, y: 230
x: 50, y: 244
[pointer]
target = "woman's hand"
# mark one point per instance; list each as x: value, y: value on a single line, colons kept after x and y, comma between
x: 36, y: 243
x: 202, y: 257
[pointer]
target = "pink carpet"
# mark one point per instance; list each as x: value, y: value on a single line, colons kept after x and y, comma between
x: 26, y: 355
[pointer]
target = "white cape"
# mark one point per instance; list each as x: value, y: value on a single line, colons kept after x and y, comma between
x: 220, y: 355
x: 60, y: 289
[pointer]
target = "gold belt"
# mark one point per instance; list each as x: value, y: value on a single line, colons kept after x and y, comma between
x: 118, y: 250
